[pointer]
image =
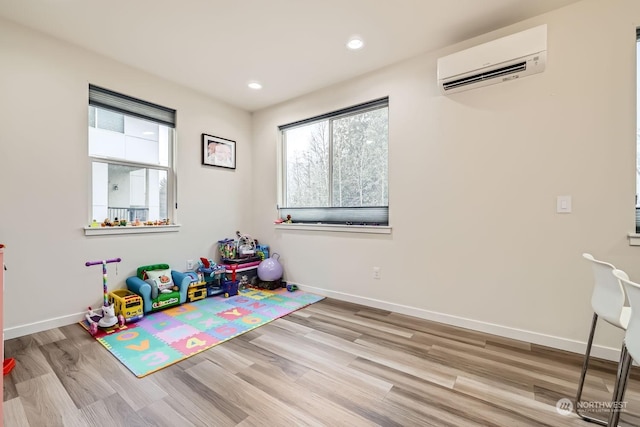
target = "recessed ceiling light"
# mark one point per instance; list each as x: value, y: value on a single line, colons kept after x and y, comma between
x: 254, y: 85
x: 355, y: 43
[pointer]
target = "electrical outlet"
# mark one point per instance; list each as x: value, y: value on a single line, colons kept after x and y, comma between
x: 376, y: 273
x: 189, y: 264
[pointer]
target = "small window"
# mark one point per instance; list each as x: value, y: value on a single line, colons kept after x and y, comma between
x: 335, y: 167
x: 130, y: 151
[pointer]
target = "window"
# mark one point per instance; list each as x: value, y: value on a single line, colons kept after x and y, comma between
x: 335, y: 167
x: 131, y: 154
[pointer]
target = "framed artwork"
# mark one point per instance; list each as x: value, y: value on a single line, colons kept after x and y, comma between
x: 218, y: 151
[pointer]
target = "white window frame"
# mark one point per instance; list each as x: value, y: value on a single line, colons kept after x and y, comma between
x: 105, y: 99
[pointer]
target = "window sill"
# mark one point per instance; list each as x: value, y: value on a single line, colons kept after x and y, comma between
x: 141, y: 229
x: 370, y: 229
x: 634, y: 239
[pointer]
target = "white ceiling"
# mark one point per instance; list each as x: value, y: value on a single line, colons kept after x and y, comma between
x: 292, y: 47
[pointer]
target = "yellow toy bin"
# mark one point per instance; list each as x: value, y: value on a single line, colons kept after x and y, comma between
x: 126, y: 303
x: 197, y: 292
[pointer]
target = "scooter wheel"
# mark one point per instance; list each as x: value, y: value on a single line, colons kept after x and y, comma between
x: 121, y: 320
x: 93, y: 328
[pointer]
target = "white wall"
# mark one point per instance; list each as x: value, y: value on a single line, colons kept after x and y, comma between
x: 44, y: 179
x: 473, y: 184
x: 473, y: 181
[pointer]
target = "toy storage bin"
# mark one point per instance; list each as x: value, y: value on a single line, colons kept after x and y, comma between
x: 249, y: 269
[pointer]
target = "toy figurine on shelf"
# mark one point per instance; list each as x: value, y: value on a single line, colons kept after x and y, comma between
x: 289, y: 220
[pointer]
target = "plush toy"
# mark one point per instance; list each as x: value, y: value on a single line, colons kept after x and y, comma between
x: 160, y: 282
x: 108, y: 317
x: 165, y: 285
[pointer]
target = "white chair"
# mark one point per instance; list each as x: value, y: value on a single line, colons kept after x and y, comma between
x: 608, y: 302
x: 630, y: 347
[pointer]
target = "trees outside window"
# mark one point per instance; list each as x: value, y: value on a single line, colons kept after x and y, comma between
x: 339, y: 160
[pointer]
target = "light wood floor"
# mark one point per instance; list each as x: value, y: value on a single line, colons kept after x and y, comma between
x: 331, y: 364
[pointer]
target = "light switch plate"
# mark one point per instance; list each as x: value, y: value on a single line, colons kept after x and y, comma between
x: 563, y: 204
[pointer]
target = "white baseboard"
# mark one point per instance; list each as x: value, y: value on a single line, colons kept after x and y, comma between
x: 44, y: 325
x: 559, y: 343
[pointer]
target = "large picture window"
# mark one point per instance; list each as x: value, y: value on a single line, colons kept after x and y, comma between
x: 130, y: 151
x: 335, y: 166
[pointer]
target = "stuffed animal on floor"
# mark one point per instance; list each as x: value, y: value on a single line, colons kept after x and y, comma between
x: 109, y: 318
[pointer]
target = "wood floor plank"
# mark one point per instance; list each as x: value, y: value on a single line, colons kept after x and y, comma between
x: 517, y: 373
x: 47, y: 337
x: 328, y: 326
x: 453, y: 415
x: 112, y: 411
x: 193, y: 400
x: 307, y: 353
x: 289, y: 392
x: 355, y: 400
x: 46, y: 402
x: 83, y: 384
x: 367, y: 324
x: 160, y: 414
x: 14, y: 414
x: 254, y: 401
x: 291, y: 368
x: 539, y: 412
x: 30, y: 362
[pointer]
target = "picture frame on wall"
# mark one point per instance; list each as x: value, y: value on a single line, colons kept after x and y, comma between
x: 219, y: 152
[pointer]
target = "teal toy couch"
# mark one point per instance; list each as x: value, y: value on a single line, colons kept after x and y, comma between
x: 159, y: 287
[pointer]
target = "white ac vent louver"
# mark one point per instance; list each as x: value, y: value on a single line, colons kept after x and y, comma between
x: 508, y: 58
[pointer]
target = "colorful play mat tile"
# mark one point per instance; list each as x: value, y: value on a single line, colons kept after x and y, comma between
x: 166, y: 337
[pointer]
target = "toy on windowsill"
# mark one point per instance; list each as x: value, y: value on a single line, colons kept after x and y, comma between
x: 289, y: 220
x: 107, y: 318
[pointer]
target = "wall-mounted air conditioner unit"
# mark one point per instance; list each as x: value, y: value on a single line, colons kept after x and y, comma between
x: 497, y: 61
